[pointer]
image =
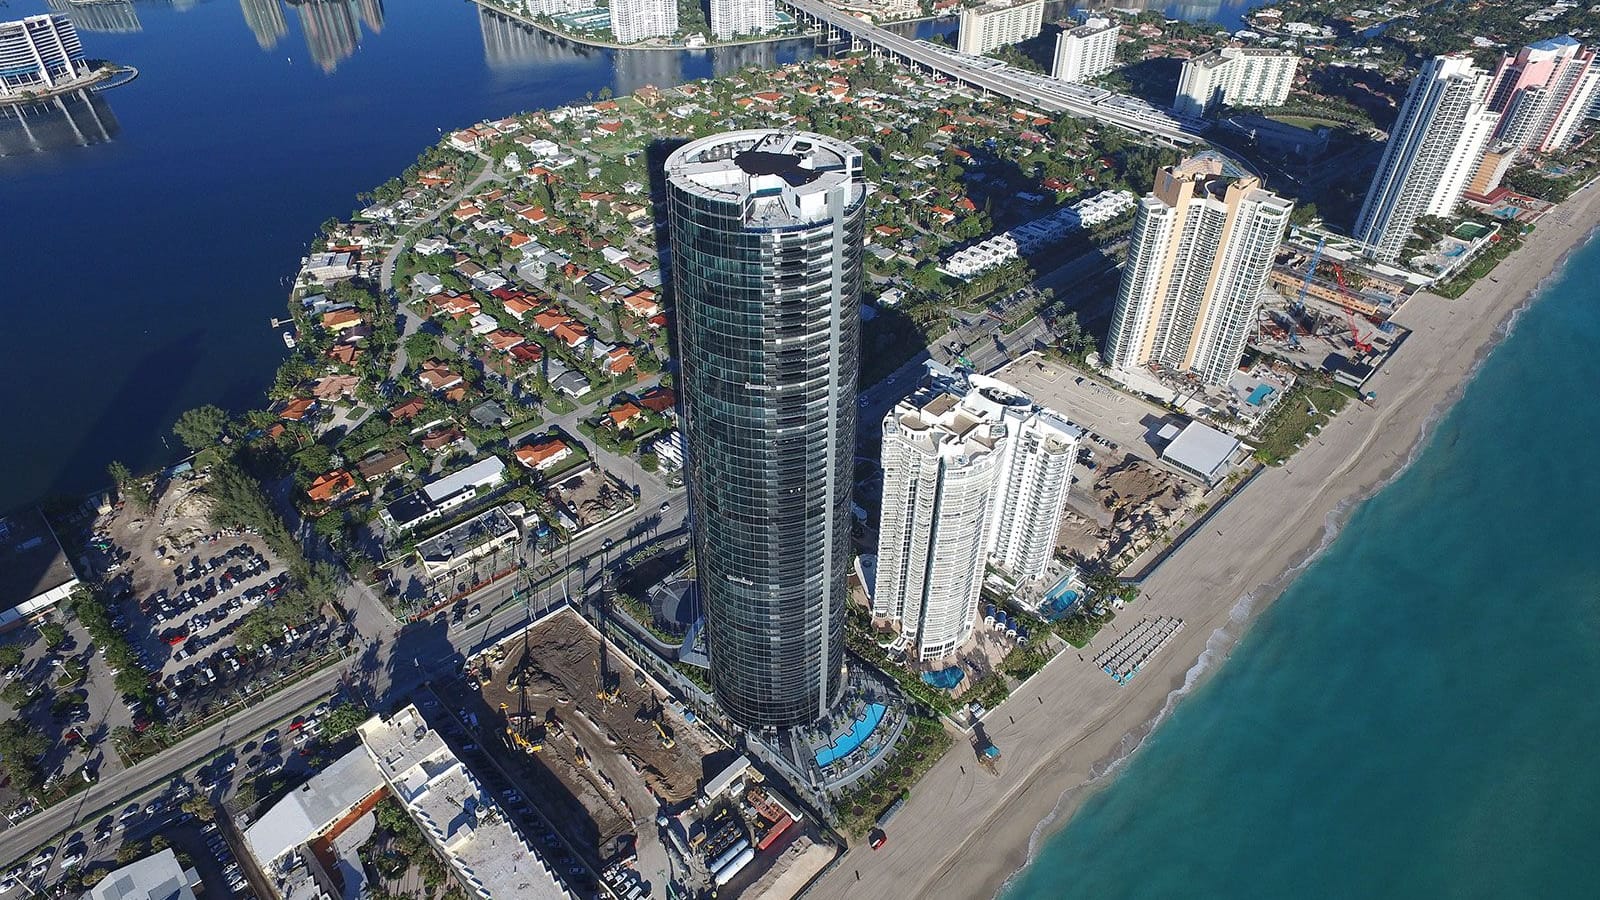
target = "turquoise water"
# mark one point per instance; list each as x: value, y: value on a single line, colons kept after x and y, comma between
x: 1416, y: 716
x: 860, y: 730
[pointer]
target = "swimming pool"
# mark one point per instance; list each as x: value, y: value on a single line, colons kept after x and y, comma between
x: 847, y: 743
x: 944, y: 678
x: 1261, y: 393
x: 1059, y: 600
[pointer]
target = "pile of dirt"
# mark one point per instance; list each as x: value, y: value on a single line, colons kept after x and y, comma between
x: 1141, y: 501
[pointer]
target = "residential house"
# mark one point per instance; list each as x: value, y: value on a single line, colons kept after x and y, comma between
x: 541, y: 455
x: 483, y: 323
x: 426, y: 283
x: 332, y: 388
x: 407, y: 410
x: 572, y: 334
x: 344, y: 353
x: 490, y: 414
x: 619, y: 361
x: 340, y: 319
x: 325, y: 268
x: 660, y: 400
x: 623, y: 415
x: 436, y: 376
x: 441, y: 438
x: 380, y: 464
x: 504, y: 339
x: 642, y: 304
x: 429, y: 246
x: 456, y: 306
x: 297, y: 409
x: 519, y: 306
x: 331, y: 486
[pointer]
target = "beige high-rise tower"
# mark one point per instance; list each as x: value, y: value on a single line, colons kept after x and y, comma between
x: 1201, y: 251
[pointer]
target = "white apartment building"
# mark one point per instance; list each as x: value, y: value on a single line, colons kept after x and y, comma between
x: 1433, y: 150
x: 39, y: 53
x: 732, y: 18
x: 1086, y: 51
x: 998, y: 23
x: 1235, y: 76
x: 636, y: 20
x: 1198, y: 259
x: 973, y: 473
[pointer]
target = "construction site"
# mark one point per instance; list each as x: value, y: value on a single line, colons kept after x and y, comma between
x: 1334, y: 314
x: 588, y: 724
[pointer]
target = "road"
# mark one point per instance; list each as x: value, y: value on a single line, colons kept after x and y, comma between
x: 1038, y: 91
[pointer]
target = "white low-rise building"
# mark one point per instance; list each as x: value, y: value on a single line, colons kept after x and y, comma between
x: 1028, y: 238
x: 489, y: 856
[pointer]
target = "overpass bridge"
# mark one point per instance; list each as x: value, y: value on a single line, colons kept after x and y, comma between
x: 994, y: 77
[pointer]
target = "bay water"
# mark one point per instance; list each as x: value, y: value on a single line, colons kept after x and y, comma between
x: 1415, y: 716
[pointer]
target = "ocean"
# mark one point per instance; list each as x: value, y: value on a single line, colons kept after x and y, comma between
x: 1415, y: 716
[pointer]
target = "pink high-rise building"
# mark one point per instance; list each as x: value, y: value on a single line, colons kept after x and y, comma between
x: 1541, y: 94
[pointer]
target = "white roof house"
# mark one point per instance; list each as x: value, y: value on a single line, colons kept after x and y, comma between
x: 483, y: 473
x: 309, y: 809
x: 1202, y: 451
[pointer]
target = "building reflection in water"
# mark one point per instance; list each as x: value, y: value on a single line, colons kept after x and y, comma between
x: 265, y: 18
x: 332, y: 28
x: 99, y: 16
x: 75, y: 119
x: 636, y: 68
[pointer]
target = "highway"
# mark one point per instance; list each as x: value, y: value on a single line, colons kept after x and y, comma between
x: 1035, y: 90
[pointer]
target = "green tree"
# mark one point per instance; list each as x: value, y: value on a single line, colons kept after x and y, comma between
x: 10, y: 655
x: 54, y: 634
x: 199, y: 807
x: 21, y: 747
x: 201, y: 427
x: 129, y: 488
x: 342, y: 720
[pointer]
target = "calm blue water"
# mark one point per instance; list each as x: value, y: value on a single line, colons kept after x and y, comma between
x: 1416, y: 716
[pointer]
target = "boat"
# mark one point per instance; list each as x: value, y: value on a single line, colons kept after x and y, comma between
x: 288, y: 339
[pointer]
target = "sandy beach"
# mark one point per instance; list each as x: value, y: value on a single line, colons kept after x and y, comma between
x: 964, y: 831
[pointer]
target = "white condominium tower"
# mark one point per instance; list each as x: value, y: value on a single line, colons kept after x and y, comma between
x: 1541, y: 95
x: 973, y: 473
x: 1201, y: 250
x: 998, y: 23
x: 1086, y: 51
x: 39, y: 53
x: 731, y: 18
x: 635, y: 20
x: 1235, y: 76
x: 1433, y: 149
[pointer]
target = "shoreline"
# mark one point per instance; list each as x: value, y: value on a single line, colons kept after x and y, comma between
x: 965, y: 833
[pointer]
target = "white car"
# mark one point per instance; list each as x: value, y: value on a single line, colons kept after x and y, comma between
x: 72, y: 858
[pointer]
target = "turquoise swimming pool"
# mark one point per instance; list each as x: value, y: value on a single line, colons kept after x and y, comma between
x: 851, y: 740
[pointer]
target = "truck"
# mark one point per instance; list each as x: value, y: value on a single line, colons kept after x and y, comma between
x: 988, y: 753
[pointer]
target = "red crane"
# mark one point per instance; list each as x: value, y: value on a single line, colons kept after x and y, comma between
x: 1361, y: 345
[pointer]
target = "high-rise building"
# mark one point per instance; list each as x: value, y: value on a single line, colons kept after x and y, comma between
x: 39, y: 53
x: 998, y: 23
x: 731, y: 18
x: 1199, y: 257
x: 973, y: 473
x: 1434, y: 148
x: 1541, y: 95
x: 1235, y: 76
x: 767, y: 237
x: 1086, y: 51
x: 636, y: 20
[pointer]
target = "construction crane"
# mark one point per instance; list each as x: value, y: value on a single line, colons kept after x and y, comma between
x: 1362, y: 346
x: 1311, y: 272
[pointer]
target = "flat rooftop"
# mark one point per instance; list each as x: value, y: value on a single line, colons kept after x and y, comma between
x: 459, y: 816
x: 32, y: 563
x: 309, y: 809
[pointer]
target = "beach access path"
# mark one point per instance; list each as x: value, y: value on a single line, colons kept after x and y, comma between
x: 964, y: 831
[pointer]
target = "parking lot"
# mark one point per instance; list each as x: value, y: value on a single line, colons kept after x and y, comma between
x: 1117, y: 423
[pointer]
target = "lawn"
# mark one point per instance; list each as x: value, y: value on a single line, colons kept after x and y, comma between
x: 1307, y: 406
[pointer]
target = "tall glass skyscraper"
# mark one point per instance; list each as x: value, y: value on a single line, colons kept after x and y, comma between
x: 766, y: 232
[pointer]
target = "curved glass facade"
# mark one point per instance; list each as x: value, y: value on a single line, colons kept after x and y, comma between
x: 766, y: 233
